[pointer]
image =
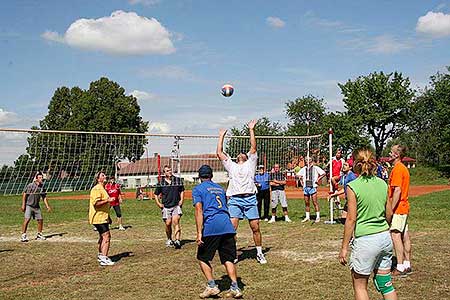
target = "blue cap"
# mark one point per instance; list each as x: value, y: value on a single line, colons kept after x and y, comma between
x: 205, y: 171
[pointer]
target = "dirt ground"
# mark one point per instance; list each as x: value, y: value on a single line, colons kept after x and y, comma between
x: 291, y: 193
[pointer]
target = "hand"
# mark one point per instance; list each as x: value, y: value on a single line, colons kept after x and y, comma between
x: 160, y: 205
x: 222, y: 132
x: 180, y: 203
x: 22, y: 208
x: 199, y: 239
x: 251, y: 124
x: 49, y: 209
x: 343, y: 256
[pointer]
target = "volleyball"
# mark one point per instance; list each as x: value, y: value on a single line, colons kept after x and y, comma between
x: 227, y: 90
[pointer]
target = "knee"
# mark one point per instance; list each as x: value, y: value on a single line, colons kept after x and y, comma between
x: 383, y: 283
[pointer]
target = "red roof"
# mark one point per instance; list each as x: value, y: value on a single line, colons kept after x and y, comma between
x: 189, y: 164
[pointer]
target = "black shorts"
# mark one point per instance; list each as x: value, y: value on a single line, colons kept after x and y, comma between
x: 118, y: 211
x: 102, y: 228
x: 226, y: 244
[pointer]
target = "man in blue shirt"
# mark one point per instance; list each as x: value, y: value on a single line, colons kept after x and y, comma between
x: 214, y: 232
x: 262, y: 179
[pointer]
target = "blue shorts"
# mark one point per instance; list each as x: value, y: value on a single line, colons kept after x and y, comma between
x: 309, y: 191
x: 243, y: 207
x: 371, y: 252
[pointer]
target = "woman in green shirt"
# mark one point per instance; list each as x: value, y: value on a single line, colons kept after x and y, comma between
x: 368, y: 218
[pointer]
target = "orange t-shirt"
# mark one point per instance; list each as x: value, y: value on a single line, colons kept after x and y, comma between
x: 400, y: 177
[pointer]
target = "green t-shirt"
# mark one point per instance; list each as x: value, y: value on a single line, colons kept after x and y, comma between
x: 371, y: 197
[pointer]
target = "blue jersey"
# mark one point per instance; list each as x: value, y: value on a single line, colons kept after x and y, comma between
x: 262, y: 181
x: 346, y: 179
x: 216, y: 219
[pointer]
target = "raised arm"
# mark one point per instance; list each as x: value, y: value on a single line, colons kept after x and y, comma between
x: 220, y: 154
x: 251, y: 128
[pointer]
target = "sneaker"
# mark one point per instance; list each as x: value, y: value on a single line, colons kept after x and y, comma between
x: 271, y: 221
x: 261, y: 259
x: 408, y: 271
x: 177, y: 244
x: 169, y: 243
x: 317, y: 220
x: 105, y: 261
x: 286, y: 219
x: 121, y: 228
x: 99, y: 257
x: 266, y: 219
x: 24, y: 238
x: 40, y: 237
x: 233, y: 293
x: 398, y: 274
x: 94, y: 228
x: 210, y: 291
x: 305, y: 220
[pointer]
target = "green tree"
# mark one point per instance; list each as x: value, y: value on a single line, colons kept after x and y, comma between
x: 380, y: 104
x: 305, y: 115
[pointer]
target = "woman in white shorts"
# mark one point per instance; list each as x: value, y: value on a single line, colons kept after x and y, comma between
x: 368, y: 218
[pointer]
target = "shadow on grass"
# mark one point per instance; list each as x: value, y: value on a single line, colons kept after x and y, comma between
x: 117, y: 257
x: 184, y: 242
x: 224, y: 283
x: 6, y: 250
x: 117, y: 227
x: 49, y: 236
x: 249, y: 253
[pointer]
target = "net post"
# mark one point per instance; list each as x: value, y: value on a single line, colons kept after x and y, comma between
x: 330, y: 157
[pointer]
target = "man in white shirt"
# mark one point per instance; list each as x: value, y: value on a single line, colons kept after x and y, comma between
x: 241, y: 190
x: 310, y: 175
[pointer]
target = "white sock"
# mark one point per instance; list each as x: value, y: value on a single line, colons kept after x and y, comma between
x: 286, y: 217
x: 273, y: 218
x: 401, y: 267
x: 259, y: 250
x: 307, y: 215
x: 407, y: 264
x: 317, y: 214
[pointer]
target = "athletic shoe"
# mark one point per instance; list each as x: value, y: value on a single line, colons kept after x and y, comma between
x: 317, y: 220
x: 177, y: 244
x: 24, y: 238
x: 408, y: 271
x: 398, y: 274
x: 306, y: 220
x: 169, y: 243
x: 105, y: 261
x: 261, y: 259
x: 121, y: 227
x: 286, y: 219
x: 233, y: 293
x: 272, y: 221
x: 210, y: 291
x: 266, y: 220
x: 40, y: 237
x: 99, y: 256
x: 94, y: 228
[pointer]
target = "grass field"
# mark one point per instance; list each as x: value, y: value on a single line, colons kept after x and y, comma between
x: 302, y: 258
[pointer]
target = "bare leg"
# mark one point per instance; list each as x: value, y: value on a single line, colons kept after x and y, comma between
x: 177, y: 226
x: 207, y: 270
x: 231, y: 270
x: 119, y: 221
x: 40, y: 225
x: 398, y: 245
x: 307, y: 204
x: 25, y: 225
x: 315, y: 202
x: 254, y: 225
x: 168, y: 223
x: 360, y: 286
x: 106, y: 237
x: 407, y: 246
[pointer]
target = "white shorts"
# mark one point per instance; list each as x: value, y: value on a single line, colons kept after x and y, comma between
x: 168, y: 213
x: 279, y: 196
x: 399, y: 223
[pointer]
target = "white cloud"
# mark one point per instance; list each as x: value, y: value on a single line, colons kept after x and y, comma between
x: 122, y: 33
x: 144, y: 2
x: 7, y: 117
x: 387, y: 44
x: 143, y: 96
x: 157, y: 127
x: 275, y: 22
x: 435, y: 24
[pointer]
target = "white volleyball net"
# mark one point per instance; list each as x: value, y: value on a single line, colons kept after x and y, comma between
x: 70, y: 160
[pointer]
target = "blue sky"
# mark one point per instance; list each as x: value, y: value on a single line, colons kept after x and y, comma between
x: 174, y: 55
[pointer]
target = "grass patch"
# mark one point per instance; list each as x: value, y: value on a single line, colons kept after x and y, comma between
x: 302, y: 258
x: 427, y: 176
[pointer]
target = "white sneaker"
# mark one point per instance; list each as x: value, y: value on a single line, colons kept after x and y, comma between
x: 306, y: 220
x: 24, y: 238
x: 121, y: 228
x: 40, y: 237
x: 286, y: 219
x: 99, y: 257
x: 105, y: 261
x: 210, y: 291
x: 317, y: 220
x: 272, y: 221
x: 169, y: 243
x: 261, y: 259
x: 266, y: 220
